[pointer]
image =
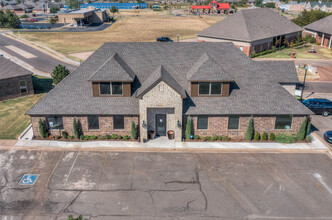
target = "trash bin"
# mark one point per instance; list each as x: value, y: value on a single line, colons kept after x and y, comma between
x: 170, y: 134
x: 151, y: 134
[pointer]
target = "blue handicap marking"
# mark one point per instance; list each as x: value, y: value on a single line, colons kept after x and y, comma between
x: 29, y: 179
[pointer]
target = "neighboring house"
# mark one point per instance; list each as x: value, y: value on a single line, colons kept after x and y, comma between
x: 323, y: 6
x: 252, y: 30
x: 14, y: 8
x: 99, y: 5
x: 158, y: 85
x: 14, y: 80
x: 213, y: 6
x: 82, y: 16
x: 321, y: 30
x: 293, y: 6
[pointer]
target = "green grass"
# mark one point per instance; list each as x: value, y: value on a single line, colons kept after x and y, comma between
x: 301, y: 53
x: 13, y: 120
x: 325, y: 52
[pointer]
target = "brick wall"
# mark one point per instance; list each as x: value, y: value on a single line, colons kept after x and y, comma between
x: 10, y: 88
x: 105, y: 125
x: 218, y: 125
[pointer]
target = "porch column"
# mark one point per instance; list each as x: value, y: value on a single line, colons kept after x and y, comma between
x: 330, y: 41
x: 322, y: 40
x: 279, y: 42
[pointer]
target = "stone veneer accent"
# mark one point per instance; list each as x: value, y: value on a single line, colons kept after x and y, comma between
x: 10, y: 88
x: 218, y: 125
x: 105, y: 125
x: 156, y: 101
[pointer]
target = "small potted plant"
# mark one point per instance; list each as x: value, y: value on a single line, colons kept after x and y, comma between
x: 170, y: 134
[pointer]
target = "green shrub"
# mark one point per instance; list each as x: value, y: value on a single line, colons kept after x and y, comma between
x: 75, y: 128
x: 86, y: 137
x: 42, y: 130
x: 252, y: 54
x: 93, y: 137
x: 197, y: 137
x: 308, y: 127
x: 108, y: 136
x: 269, y: 51
x: 273, y: 49
x: 286, y: 138
x: 133, y: 130
x: 56, y: 137
x: 82, y: 137
x: 257, y: 136
x: 219, y: 138
x: 226, y: 138
x: 71, y: 137
x: 318, y: 43
x: 65, y: 134
x: 264, y: 136
x: 214, y: 138
x: 125, y: 137
x: 312, y: 40
x: 308, y: 138
x: 272, y: 136
x: 188, y: 128
x: 302, y: 131
x: 250, y: 129
x: 114, y: 136
x: 207, y: 138
x: 24, y: 16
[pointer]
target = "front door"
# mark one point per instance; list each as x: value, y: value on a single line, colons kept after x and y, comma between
x: 161, y: 124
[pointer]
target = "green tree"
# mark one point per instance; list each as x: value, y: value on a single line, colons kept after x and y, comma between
x: 53, y: 20
x: 59, y: 73
x: 188, y: 128
x: 133, y: 130
x: 114, y: 10
x: 258, y: 3
x: 264, y: 136
x: 302, y: 131
x: 9, y: 20
x: 54, y: 9
x: 75, y: 129
x: 250, y: 129
x: 307, y: 17
x: 308, y: 126
x: 270, y: 5
x: 42, y: 130
x: 257, y: 136
x: 73, y: 4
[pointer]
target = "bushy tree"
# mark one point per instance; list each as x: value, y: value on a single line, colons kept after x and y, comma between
x: 188, y: 128
x: 307, y: 17
x: 258, y: 3
x: 9, y: 20
x: 59, y: 73
x: 302, y: 131
x: 133, y: 130
x: 114, y: 10
x: 53, y: 20
x: 272, y: 137
x: 264, y: 136
x: 54, y: 9
x: 257, y: 136
x: 75, y: 129
x: 250, y: 129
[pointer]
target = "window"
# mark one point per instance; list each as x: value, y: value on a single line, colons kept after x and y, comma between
x: 93, y: 122
x: 283, y: 122
x: 118, y: 122
x: 55, y: 122
x: 233, y: 122
x: 23, y: 87
x: 107, y: 88
x: 202, y: 122
x: 207, y: 88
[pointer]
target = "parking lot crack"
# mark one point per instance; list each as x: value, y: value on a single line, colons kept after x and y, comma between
x: 72, y: 202
x: 200, y: 188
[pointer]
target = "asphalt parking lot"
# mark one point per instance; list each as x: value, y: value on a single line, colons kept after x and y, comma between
x: 321, y: 125
x: 123, y: 185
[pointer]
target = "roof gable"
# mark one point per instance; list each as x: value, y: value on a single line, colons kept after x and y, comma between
x: 160, y: 74
x: 115, y: 69
x: 323, y: 25
x: 251, y: 25
x: 207, y: 68
x: 9, y: 69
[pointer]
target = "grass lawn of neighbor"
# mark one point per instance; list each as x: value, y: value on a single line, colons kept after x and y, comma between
x: 301, y: 53
x: 13, y: 120
x: 143, y: 27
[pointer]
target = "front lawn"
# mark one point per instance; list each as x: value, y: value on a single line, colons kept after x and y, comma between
x: 301, y: 53
x: 13, y: 120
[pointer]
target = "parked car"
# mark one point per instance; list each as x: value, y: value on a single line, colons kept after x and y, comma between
x: 319, y: 106
x: 32, y: 20
x: 164, y: 39
x: 328, y: 136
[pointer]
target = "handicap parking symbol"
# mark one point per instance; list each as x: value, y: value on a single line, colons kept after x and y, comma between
x: 28, y: 179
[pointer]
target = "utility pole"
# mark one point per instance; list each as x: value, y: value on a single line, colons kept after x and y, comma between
x: 305, y: 75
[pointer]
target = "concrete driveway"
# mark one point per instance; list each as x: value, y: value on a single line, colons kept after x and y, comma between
x: 120, y: 185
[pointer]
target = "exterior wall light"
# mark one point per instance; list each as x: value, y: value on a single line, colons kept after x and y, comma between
x: 143, y: 124
x: 178, y: 124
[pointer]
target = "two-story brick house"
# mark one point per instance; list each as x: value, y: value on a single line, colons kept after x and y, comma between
x: 14, y: 80
x: 252, y: 30
x: 158, y: 85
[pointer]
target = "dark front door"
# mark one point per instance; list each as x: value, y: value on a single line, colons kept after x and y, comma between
x: 161, y: 124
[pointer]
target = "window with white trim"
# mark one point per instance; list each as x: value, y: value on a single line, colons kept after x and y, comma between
x: 23, y: 87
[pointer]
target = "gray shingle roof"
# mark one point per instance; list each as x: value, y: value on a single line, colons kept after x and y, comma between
x: 207, y: 68
x: 254, y: 91
x: 251, y: 25
x: 160, y: 74
x: 323, y: 25
x: 115, y: 69
x: 280, y: 71
x: 9, y: 69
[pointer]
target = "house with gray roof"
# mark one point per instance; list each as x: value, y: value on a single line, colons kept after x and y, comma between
x: 15, y: 81
x: 157, y: 86
x: 319, y: 5
x: 252, y: 30
x: 321, y: 30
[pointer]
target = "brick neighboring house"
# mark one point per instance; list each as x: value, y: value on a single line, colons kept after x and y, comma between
x: 319, y: 5
x: 321, y: 30
x: 158, y: 85
x: 252, y: 30
x: 14, y: 80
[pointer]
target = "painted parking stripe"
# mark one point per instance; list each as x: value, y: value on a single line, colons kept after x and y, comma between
x: 21, y: 52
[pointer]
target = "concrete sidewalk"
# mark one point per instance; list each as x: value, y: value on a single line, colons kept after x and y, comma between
x: 164, y: 144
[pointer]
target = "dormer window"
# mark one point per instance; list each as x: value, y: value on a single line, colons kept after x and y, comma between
x: 110, y: 88
x: 209, y: 88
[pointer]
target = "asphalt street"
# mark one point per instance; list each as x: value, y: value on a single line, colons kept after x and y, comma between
x: 319, y: 87
x: 39, y: 60
x: 133, y: 185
